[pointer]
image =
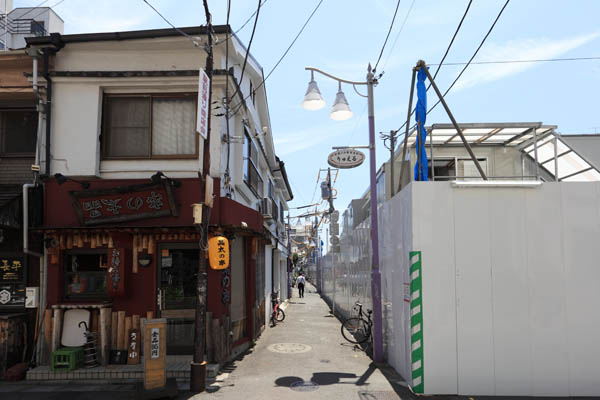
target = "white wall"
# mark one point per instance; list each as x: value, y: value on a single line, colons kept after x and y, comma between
x: 268, y: 281
x: 510, y: 288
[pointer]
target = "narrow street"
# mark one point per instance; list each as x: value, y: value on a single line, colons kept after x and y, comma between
x: 304, y: 357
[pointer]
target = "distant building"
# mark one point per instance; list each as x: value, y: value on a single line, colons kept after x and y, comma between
x: 22, y: 22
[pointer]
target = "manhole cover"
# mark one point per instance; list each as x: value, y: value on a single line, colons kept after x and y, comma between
x: 302, y: 386
x: 289, y: 348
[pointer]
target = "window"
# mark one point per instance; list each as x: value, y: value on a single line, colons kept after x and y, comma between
x: 251, y: 175
x: 37, y: 28
x: 85, y: 276
x: 18, y: 131
x: 466, y: 168
x: 150, y: 126
x: 253, y: 94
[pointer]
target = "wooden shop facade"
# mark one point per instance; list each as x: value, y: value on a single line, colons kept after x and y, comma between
x: 128, y: 250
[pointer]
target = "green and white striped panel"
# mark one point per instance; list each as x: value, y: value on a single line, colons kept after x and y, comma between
x: 416, y: 322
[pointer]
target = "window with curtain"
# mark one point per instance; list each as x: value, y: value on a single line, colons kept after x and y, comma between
x: 149, y: 126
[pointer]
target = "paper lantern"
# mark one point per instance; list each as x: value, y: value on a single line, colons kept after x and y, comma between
x: 218, y: 252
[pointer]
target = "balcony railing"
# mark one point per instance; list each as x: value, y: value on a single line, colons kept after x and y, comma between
x: 21, y: 26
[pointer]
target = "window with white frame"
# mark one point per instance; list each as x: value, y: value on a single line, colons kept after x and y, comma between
x: 251, y: 172
x: 149, y: 126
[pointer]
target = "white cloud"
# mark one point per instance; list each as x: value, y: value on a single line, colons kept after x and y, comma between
x: 526, y: 49
x: 306, y: 138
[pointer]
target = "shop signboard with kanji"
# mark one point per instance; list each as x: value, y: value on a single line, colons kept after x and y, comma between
x: 125, y: 203
x: 155, y: 351
x: 203, y: 109
x: 12, y: 268
x: 218, y: 252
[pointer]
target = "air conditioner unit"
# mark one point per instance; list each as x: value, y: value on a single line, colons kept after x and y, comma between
x: 267, y: 208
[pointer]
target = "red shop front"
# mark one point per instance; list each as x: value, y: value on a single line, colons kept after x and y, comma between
x: 128, y: 249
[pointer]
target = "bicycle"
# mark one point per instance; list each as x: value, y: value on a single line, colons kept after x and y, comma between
x: 277, y: 315
x: 358, y: 328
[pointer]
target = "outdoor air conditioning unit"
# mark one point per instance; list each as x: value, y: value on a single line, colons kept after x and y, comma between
x: 267, y: 208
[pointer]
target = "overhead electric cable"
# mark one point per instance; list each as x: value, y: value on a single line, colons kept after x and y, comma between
x: 387, y: 36
x: 451, y: 42
x: 398, y: 34
x: 239, y: 105
x: 191, y: 38
x: 33, y: 9
x: 467, y: 64
x: 523, y: 61
x: 239, y: 86
x: 41, y: 12
x: 249, y: 18
x: 472, y: 57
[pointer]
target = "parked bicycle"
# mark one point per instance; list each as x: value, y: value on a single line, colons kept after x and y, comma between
x: 277, y: 315
x: 357, y: 330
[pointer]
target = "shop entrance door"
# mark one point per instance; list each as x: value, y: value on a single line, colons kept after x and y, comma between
x: 177, y: 276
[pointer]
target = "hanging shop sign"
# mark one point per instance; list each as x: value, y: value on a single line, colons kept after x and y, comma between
x: 125, y: 203
x: 115, y: 273
x: 218, y: 252
x: 203, y: 95
x: 346, y: 158
x: 12, y: 268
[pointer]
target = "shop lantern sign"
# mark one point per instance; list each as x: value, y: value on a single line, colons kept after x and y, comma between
x: 346, y: 158
x: 218, y: 252
x: 125, y: 203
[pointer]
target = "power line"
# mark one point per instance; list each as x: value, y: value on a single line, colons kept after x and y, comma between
x: 523, y: 61
x: 446, y: 53
x: 247, y: 52
x: 173, y: 26
x: 40, y: 13
x: 472, y: 57
x: 451, y: 41
x: 387, y: 36
x: 33, y: 9
x: 468, y: 63
x: 399, y: 32
x: 249, y: 18
x: 239, y: 105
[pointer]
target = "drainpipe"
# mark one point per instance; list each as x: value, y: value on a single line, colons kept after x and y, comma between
x: 48, y: 109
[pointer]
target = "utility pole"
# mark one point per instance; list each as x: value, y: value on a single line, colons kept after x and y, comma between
x: 289, y: 258
x: 198, y: 366
x: 392, y: 147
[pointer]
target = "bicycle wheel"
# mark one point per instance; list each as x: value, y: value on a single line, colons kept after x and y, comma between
x: 356, y: 330
x: 280, y: 315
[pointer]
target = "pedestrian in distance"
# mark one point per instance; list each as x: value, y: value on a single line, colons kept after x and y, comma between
x: 301, y: 282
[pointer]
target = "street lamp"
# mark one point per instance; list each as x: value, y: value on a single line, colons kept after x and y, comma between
x: 340, y: 111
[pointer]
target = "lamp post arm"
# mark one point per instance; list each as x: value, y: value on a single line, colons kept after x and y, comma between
x: 335, y: 77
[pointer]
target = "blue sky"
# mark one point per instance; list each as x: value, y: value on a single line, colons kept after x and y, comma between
x: 345, y: 35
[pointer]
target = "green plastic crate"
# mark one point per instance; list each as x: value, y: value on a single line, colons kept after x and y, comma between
x: 67, y: 359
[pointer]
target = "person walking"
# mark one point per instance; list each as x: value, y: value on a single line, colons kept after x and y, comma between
x: 301, y: 282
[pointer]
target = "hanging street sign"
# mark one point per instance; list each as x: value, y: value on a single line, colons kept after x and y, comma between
x: 346, y: 158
